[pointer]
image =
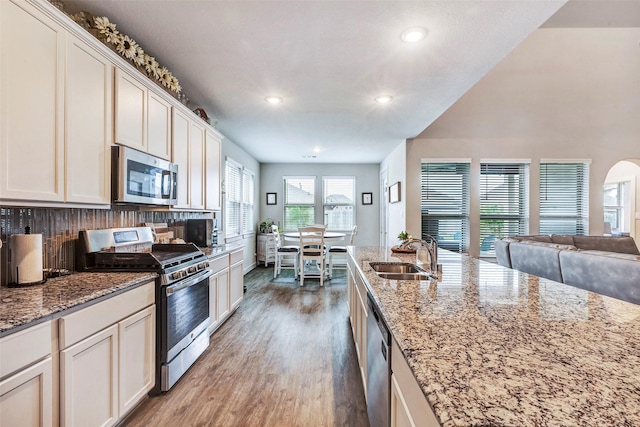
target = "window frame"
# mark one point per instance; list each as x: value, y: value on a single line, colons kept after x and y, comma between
x: 580, y: 218
x: 352, y: 205
x: 515, y: 195
x: 458, y: 171
x: 286, y: 204
x: 237, y: 226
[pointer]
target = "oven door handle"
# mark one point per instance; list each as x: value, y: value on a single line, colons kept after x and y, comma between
x: 190, y: 281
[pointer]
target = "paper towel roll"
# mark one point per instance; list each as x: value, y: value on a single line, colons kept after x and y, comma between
x: 26, y: 258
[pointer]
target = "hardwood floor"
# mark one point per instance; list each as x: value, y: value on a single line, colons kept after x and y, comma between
x: 285, y: 358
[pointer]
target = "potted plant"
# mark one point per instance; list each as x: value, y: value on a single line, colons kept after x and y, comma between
x: 265, y: 226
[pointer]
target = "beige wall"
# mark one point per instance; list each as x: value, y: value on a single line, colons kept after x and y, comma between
x: 562, y: 94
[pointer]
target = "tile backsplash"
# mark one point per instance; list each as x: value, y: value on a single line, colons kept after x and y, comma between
x: 60, y: 226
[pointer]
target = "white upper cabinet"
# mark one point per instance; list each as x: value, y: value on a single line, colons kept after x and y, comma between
x: 159, y: 126
x: 131, y: 110
x: 212, y: 171
x: 32, y: 50
x: 89, y: 118
x: 56, y: 112
x: 196, y: 164
x: 180, y: 130
x: 143, y: 118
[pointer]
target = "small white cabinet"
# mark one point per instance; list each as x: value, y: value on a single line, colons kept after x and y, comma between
x: 142, y: 116
x: 266, y: 248
x: 357, y: 297
x: 26, y: 377
x: 180, y: 148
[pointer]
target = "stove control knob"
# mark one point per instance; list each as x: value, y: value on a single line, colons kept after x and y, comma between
x: 192, y: 269
x: 175, y: 276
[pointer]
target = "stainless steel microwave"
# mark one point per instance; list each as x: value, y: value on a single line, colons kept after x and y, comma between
x: 141, y: 178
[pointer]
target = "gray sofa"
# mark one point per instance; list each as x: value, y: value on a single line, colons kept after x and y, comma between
x: 606, y: 265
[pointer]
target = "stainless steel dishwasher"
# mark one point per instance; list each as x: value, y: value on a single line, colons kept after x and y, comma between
x: 379, y: 368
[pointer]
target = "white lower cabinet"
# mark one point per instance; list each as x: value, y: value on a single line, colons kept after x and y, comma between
x: 107, y: 358
x: 137, y: 358
x: 226, y: 287
x: 409, y: 406
x: 89, y: 381
x: 236, y: 278
x: 26, y: 378
x: 218, y: 291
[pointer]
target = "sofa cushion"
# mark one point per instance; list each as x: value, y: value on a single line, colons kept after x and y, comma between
x: 617, y: 276
x: 624, y: 245
x: 538, y: 259
x: 535, y: 238
x: 550, y: 245
x: 564, y: 239
x: 503, y: 257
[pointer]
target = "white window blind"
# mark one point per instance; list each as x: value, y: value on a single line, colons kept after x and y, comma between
x: 339, y: 202
x: 247, y: 201
x: 233, y: 173
x: 564, y: 198
x: 504, y: 202
x: 444, y: 204
x: 299, y: 201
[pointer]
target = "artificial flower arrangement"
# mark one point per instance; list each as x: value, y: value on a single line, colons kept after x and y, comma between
x: 128, y: 48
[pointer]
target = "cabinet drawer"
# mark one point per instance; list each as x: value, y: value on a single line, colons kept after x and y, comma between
x: 79, y: 325
x: 220, y: 263
x: 236, y: 256
x: 22, y: 348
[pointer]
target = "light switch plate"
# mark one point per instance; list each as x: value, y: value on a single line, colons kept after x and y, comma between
x: 637, y: 215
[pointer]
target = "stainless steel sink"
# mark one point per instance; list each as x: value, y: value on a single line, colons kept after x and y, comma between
x: 400, y: 271
x: 405, y: 276
x: 394, y: 267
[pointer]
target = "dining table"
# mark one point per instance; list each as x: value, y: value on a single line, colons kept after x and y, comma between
x: 329, y: 236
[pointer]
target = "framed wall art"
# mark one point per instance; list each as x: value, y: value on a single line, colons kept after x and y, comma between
x: 394, y: 192
x: 272, y: 198
x: 367, y: 198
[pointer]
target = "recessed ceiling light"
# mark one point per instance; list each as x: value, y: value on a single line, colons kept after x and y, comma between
x: 273, y: 99
x: 413, y: 35
x: 383, y: 99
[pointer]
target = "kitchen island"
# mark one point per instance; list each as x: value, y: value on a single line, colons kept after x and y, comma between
x: 489, y: 345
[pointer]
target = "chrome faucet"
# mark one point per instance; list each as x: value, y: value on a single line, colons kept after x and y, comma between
x: 432, y: 246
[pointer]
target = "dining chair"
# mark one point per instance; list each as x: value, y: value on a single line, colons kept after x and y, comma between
x: 312, y: 249
x: 286, y: 255
x: 341, y: 253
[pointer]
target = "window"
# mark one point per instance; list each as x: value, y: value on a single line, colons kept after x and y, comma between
x: 299, y: 201
x: 239, y: 205
x: 339, y: 202
x: 564, y: 198
x: 233, y: 177
x: 615, y: 213
x: 504, y: 202
x: 247, y: 201
x: 444, y: 202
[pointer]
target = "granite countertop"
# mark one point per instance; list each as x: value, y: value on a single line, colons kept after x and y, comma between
x: 215, y: 251
x: 22, y: 307
x: 492, y: 346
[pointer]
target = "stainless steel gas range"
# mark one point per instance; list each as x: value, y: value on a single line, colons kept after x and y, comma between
x: 182, y: 291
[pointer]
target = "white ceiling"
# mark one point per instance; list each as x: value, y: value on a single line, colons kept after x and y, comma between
x: 328, y: 60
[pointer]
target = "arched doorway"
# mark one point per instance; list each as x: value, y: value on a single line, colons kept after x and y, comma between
x: 621, y: 199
